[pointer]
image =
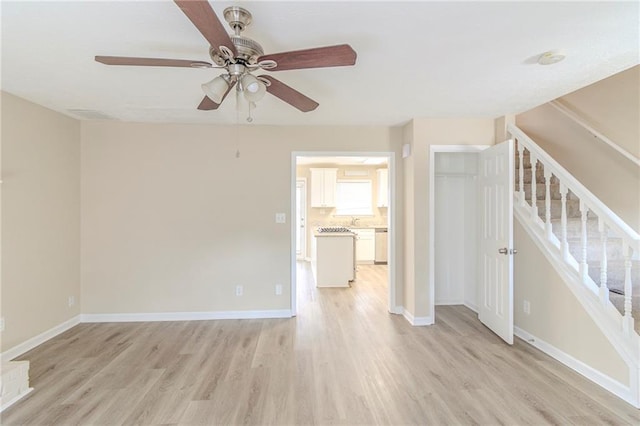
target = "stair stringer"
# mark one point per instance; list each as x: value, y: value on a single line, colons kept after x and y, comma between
x: 607, y: 318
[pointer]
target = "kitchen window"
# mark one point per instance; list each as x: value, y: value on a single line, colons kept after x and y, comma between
x: 354, y: 197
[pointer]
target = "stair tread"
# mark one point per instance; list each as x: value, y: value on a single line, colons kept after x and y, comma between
x: 616, y: 264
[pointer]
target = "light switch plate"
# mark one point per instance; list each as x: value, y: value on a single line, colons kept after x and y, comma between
x: 406, y: 150
x: 281, y: 218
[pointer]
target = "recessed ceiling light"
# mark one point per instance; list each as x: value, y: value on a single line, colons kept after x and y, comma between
x: 551, y: 57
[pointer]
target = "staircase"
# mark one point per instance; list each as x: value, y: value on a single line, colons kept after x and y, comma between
x: 592, y: 249
x: 609, y: 270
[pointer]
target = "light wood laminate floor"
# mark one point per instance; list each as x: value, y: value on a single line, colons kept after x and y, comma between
x: 343, y: 360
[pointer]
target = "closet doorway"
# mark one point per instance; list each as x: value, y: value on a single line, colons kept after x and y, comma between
x: 454, y: 221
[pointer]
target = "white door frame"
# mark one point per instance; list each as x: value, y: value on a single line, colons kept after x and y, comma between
x: 305, y: 237
x: 432, y: 212
x: 391, y: 218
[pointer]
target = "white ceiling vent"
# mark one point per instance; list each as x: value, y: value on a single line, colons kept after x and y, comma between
x: 90, y: 114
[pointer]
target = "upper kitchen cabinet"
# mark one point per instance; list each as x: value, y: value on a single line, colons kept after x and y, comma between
x: 323, y: 187
x: 383, y: 187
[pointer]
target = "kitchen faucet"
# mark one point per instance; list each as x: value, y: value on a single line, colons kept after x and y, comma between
x: 354, y: 220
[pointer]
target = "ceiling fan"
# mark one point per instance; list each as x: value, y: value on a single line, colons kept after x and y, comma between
x: 240, y: 56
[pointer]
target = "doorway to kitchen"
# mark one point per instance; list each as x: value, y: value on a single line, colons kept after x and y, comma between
x: 350, y: 201
x: 301, y: 218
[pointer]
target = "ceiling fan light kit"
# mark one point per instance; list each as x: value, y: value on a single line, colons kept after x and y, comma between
x: 240, y: 56
x: 216, y: 88
x: 253, y: 89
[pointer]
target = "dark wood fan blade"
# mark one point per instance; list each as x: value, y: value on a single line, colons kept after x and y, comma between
x: 289, y: 95
x: 206, y: 21
x: 319, y: 57
x: 151, y: 62
x: 207, y: 104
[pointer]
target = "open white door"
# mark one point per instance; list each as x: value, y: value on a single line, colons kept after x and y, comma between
x: 495, y: 296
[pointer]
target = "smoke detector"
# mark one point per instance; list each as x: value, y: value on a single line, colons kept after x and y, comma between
x: 551, y: 57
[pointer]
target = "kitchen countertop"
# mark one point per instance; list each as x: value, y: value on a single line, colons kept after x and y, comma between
x: 357, y: 226
x: 333, y: 234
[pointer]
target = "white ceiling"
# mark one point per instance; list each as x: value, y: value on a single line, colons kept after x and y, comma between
x: 415, y: 59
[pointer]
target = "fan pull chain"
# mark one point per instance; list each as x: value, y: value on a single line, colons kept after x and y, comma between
x: 237, y: 133
x: 249, y: 118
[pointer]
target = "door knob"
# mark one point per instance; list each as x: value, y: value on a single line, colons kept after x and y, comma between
x: 503, y: 251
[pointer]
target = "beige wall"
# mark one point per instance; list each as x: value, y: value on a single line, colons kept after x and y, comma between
x: 422, y: 134
x: 172, y: 221
x: 612, y: 106
x: 40, y: 219
x: 326, y: 216
x: 556, y: 315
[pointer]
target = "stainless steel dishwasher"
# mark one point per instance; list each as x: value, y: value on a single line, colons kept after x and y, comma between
x: 381, y: 246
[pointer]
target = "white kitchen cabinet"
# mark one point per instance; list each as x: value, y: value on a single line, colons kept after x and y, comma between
x: 323, y: 187
x: 365, y: 245
x: 383, y: 187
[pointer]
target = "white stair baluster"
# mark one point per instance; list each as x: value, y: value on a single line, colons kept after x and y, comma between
x: 604, y: 290
x: 521, y: 174
x: 627, y: 320
x: 534, y: 196
x: 547, y: 199
x: 564, y: 245
x: 584, y: 266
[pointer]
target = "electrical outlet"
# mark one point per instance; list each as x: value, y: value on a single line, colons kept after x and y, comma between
x: 2, y: 324
x: 281, y: 218
x: 526, y: 307
x: 238, y: 290
x: 72, y: 301
x: 278, y: 289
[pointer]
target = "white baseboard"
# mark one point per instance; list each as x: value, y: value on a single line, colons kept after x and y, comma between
x: 398, y: 310
x: 417, y: 321
x: 448, y: 302
x: 471, y: 306
x: 578, y: 366
x: 26, y: 346
x: 17, y: 398
x: 186, y: 316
